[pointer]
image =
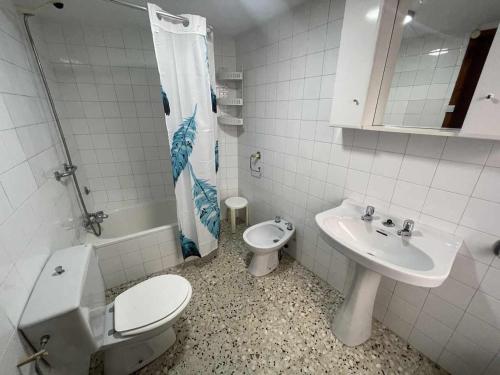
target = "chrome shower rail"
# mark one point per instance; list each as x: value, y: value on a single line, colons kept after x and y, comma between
x: 160, y: 14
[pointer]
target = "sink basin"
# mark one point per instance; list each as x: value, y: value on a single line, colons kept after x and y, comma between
x: 423, y: 259
x: 380, y: 245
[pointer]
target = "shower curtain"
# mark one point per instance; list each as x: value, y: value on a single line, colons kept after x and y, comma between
x: 189, y: 102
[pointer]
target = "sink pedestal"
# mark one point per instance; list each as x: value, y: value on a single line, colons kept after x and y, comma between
x: 353, y: 322
x: 424, y: 260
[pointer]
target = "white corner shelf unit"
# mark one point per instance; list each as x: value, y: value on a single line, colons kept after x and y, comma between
x: 224, y: 101
x: 230, y: 76
x: 231, y: 101
x: 230, y: 120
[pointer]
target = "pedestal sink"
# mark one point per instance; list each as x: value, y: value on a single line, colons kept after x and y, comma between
x: 422, y: 259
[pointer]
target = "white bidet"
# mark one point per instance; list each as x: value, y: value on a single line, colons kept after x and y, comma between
x: 264, y: 240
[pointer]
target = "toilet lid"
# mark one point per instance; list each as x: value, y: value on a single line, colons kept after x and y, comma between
x: 149, y: 301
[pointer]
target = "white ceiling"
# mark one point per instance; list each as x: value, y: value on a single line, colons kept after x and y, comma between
x: 229, y: 17
x: 453, y: 17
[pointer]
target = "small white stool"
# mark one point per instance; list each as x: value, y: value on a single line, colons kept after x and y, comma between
x: 233, y: 204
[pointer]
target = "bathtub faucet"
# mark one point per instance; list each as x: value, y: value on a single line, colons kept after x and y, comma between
x: 92, y: 222
x: 94, y: 218
x: 98, y: 216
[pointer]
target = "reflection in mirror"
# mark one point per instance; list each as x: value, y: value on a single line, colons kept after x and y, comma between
x: 438, y: 49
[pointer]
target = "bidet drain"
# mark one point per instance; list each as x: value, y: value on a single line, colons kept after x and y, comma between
x: 276, y: 240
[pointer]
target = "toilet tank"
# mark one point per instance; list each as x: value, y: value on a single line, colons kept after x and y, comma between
x: 68, y: 303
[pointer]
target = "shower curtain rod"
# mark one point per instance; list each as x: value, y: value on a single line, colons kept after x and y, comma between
x: 160, y: 14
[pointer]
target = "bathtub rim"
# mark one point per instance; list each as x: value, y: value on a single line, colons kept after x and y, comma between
x: 98, y: 242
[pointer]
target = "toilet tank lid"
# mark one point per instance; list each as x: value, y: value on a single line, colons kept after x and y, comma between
x: 58, y: 289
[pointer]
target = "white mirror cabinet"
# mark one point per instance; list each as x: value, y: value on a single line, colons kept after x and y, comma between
x: 419, y: 66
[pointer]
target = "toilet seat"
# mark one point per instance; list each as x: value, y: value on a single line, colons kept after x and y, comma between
x: 150, y: 304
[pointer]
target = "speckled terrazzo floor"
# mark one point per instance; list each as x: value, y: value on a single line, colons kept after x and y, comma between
x: 277, y: 324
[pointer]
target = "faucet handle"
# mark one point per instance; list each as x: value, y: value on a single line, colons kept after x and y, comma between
x: 101, y: 214
x: 277, y: 219
x: 97, y: 217
x: 407, y: 229
x: 369, y: 211
x: 408, y: 225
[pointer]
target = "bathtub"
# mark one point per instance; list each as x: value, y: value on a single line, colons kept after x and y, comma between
x: 137, y: 241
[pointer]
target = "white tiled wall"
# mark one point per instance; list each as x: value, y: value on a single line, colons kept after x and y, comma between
x: 289, y: 65
x: 36, y: 212
x: 108, y: 91
x: 425, y: 74
x: 227, y: 178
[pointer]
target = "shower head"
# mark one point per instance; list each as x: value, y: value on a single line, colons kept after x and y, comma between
x: 32, y: 10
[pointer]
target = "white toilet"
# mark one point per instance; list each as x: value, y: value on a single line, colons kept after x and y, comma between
x: 68, y: 304
x: 264, y: 240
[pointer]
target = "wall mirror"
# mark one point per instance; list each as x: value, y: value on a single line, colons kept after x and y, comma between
x: 437, y: 52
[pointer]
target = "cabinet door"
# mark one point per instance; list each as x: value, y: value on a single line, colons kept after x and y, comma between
x: 483, y: 117
x: 355, y: 62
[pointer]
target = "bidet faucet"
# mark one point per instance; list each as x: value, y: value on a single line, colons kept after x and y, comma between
x: 368, y: 216
x: 407, y: 229
x: 277, y: 219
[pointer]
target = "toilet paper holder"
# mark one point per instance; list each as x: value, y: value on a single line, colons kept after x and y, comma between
x: 254, y: 158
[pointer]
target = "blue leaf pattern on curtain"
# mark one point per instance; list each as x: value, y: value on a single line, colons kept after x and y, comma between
x: 182, y: 145
x: 216, y: 156
x: 207, y: 206
x: 188, y: 247
x: 214, y: 100
x: 166, y: 104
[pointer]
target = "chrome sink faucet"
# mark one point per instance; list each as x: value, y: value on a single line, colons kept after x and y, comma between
x: 368, y: 216
x: 407, y: 229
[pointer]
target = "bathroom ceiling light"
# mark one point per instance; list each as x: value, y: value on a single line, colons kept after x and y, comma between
x: 475, y: 34
x: 409, y: 17
x: 438, y: 51
x: 372, y: 14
